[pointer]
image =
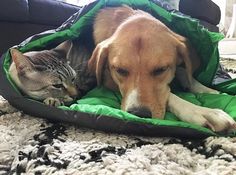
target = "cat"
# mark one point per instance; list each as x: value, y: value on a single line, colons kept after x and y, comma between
x: 56, y: 76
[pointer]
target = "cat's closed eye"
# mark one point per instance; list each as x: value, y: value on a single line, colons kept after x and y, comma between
x: 58, y: 86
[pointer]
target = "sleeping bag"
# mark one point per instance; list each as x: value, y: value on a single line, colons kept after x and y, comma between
x: 100, y: 108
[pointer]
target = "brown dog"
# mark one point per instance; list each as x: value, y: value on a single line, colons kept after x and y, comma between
x: 139, y: 56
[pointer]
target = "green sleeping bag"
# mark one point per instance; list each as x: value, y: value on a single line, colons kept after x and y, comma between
x: 100, y: 108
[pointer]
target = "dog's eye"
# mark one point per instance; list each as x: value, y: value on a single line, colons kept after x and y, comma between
x: 159, y: 71
x: 122, y: 72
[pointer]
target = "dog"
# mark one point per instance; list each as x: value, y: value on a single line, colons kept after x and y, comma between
x: 140, y: 56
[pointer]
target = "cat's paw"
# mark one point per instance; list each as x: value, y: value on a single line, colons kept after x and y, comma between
x: 50, y: 101
x: 67, y: 98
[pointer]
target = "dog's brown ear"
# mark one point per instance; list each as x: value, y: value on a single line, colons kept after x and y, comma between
x: 184, y: 61
x: 98, y: 60
x: 187, y: 59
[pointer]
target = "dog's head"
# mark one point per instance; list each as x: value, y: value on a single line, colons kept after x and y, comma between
x: 140, y: 60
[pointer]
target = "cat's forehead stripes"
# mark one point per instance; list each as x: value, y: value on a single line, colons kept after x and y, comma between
x: 66, y: 72
x: 47, y: 58
x: 54, y: 62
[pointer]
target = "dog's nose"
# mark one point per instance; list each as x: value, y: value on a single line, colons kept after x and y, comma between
x: 143, y: 112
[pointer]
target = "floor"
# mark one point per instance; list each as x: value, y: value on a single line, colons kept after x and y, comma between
x: 227, y: 48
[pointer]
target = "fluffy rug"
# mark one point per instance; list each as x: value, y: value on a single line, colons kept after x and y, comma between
x: 31, y: 145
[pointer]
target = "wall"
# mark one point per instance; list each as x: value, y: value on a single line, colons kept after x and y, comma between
x: 226, y: 7
x: 229, y: 12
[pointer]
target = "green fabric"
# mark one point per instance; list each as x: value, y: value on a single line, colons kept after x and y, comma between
x: 102, y: 101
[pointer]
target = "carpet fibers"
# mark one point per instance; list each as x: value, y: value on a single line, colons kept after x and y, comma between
x: 30, y: 145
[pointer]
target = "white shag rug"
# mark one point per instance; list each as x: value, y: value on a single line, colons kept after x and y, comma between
x: 30, y: 145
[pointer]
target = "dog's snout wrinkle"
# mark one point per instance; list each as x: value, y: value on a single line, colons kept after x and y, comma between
x: 143, y: 112
x: 132, y: 99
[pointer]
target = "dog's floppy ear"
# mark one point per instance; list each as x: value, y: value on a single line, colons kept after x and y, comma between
x: 187, y: 60
x: 98, y: 60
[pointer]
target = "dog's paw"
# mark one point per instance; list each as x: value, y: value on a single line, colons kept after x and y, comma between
x: 215, y: 119
x: 218, y: 120
x: 50, y: 101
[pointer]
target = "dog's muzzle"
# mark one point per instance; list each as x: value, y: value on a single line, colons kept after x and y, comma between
x: 143, y: 112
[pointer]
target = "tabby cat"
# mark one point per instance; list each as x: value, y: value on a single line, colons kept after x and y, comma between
x: 55, y: 76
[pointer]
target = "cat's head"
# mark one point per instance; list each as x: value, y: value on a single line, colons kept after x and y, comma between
x: 43, y: 74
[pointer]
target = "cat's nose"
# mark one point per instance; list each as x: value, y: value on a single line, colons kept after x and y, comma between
x: 72, y: 91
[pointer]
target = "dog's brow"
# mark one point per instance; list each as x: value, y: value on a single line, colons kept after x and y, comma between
x: 118, y: 64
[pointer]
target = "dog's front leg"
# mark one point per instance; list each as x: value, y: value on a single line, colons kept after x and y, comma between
x: 192, y: 85
x: 215, y: 119
x: 197, y: 87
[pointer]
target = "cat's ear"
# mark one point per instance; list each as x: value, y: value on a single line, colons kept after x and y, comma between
x: 65, y: 46
x: 21, y: 61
